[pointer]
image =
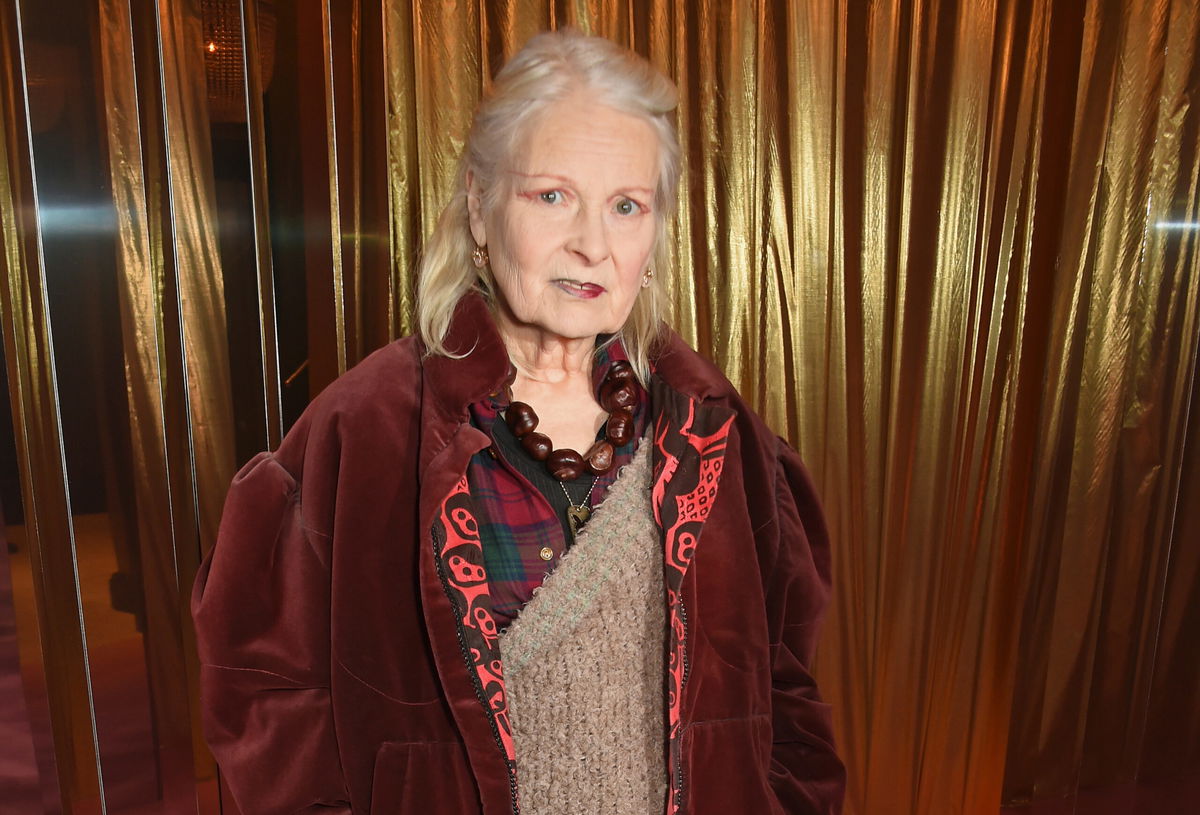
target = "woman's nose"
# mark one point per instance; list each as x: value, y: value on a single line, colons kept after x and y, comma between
x: 589, y: 240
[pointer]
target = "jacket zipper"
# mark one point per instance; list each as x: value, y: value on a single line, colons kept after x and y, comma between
x: 677, y: 747
x: 687, y: 666
x: 438, y: 543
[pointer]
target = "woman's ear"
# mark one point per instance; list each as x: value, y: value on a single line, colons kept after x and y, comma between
x: 475, y: 210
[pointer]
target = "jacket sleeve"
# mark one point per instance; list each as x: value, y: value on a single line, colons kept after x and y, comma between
x: 261, y: 610
x: 806, y: 774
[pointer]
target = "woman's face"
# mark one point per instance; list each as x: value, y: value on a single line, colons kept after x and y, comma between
x: 573, y: 226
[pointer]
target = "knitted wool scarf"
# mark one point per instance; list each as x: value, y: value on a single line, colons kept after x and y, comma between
x: 583, y: 666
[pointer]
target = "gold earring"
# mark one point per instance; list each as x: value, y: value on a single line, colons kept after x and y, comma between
x: 646, y: 278
x: 479, y: 257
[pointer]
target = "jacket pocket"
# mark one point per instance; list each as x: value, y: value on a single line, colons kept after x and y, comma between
x: 425, y: 778
x: 727, y: 767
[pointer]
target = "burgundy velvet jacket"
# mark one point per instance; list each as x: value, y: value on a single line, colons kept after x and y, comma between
x: 349, y: 661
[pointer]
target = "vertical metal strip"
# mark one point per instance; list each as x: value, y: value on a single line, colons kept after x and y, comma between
x: 197, y: 397
x: 335, y: 203
x: 166, y: 566
x: 256, y: 132
x: 356, y: 160
x: 190, y: 226
x: 401, y: 164
x: 167, y: 156
x: 377, y: 296
x: 29, y: 347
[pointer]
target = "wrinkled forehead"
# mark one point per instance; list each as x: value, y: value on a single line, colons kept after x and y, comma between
x: 583, y: 134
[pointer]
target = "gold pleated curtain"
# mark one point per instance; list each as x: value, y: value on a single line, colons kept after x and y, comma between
x: 949, y: 249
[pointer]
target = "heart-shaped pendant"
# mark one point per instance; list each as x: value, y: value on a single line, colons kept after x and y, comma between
x: 577, y: 517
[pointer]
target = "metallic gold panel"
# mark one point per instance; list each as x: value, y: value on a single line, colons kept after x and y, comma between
x: 311, y: 104
x: 929, y: 180
x: 198, y: 406
x: 358, y: 138
x: 95, y: 238
x: 140, y: 276
x: 505, y: 27
x: 378, y: 295
x: 197, y: 257
x: 614, y: 20
x: 1160, y: 353
x: 402, y: 166
x: 1171, y: 744
x: 194, y: 357
x: 1172, y: 738
x: 1117, y: 393
x: 242, y: 218
x: 296, y: 151
x: 337, y: 108
x: 172, y: 383
x: 448, y: 81
x: 49, y: 531
x: 257, y: 148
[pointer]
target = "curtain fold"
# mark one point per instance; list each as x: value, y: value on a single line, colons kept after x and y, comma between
x: 1113, y: 423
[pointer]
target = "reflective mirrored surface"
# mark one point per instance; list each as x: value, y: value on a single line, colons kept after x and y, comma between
x: 110, y: 541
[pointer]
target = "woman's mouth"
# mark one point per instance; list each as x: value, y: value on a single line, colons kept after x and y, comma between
x: 585, y: 291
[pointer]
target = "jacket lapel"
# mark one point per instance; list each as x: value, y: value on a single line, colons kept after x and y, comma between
x: 458, y: 559
x: 689, y: 454
x: 456, y: 597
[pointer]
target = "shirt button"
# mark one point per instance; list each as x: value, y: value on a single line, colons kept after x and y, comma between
x: 546, y: 553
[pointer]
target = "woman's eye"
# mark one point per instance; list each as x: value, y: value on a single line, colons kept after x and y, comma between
x: 627, y: 206
x: 551, y: 197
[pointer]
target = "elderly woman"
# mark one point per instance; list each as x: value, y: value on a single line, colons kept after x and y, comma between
x: 541, y: 558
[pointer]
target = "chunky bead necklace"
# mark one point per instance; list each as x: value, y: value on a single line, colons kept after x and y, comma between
x: 618, y: 395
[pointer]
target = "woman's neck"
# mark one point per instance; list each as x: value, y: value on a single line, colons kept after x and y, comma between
x: 554, y: 375
x: 547, y: 359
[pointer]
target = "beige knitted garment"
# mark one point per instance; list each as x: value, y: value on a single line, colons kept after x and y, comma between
x: 583, y: 667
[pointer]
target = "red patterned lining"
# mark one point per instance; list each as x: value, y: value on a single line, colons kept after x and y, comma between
x: 687, y: 470
x: 465, y: 581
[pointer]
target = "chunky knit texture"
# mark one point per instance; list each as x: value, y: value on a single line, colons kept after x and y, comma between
x: 583, y: 667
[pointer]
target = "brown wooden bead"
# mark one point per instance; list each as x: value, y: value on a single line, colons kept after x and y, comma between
x: 606, y: 392
x: 615, y: 395
x: 620, y: 427
x: 600, y: 457
x: 538, y: 445
x: 521, y: 419
x: 565, y: 464
x: 620, y: 370
x: 625, y: 396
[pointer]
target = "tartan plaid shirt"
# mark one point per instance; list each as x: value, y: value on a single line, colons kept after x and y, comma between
x: 516, y: 520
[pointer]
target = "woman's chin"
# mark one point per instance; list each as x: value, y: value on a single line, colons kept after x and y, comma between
x: 564, y: 327
x: 567, y: 333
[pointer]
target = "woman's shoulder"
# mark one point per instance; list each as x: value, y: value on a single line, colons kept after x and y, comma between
x: 688, y: 371
x: 377, y: 396
x: 384, y: 382
x: 692, y: 375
